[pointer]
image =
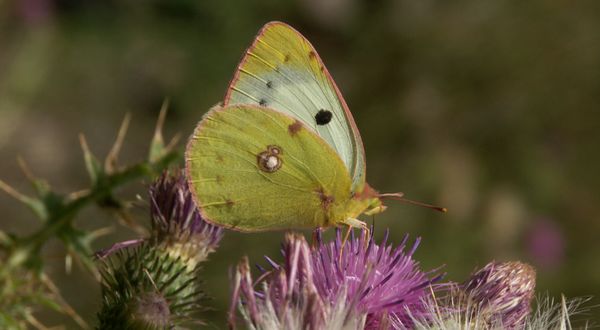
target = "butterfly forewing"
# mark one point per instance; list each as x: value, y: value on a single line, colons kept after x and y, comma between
x: 255, y: 169
x: 281, y: 70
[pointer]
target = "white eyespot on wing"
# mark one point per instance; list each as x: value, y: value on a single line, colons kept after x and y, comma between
x: 272, y: 162
x: 269, y: 160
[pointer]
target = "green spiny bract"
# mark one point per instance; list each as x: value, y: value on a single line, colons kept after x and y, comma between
x: 146, y: 288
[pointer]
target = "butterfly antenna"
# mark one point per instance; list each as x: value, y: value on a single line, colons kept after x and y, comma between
x: 400, y: 197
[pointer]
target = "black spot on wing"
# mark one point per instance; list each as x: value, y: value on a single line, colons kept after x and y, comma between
x: 323, y: 117
x: 269, y: 84
x: 262, y: 102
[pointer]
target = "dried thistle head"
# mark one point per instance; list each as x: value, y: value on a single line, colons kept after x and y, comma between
x: 498, y: 296
x: 449, y: 312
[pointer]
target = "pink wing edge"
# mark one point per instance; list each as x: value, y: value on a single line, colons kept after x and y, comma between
x: 322, y: 65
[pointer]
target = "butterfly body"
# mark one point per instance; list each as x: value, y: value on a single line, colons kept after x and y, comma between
x: 283, y: 150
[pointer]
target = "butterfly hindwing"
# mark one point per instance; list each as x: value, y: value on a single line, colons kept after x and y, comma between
x: 281, y: 70
x: 252, y: 168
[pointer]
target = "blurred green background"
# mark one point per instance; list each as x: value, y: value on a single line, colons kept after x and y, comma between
x: 489, y: 108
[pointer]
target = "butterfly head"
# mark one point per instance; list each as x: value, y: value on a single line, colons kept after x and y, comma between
x: 365, y: 201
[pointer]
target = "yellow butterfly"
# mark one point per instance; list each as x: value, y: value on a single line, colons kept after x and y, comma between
x: 283, y: 150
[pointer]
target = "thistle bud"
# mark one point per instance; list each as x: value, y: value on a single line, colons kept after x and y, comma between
x: 502, y: 293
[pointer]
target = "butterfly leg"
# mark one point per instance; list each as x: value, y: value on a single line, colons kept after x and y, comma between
x: 351, y: 222
x: 344, y: 244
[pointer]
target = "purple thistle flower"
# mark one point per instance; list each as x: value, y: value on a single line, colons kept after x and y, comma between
x: 173, y: 210
x: 176, y: 220
x: 502, y: 292
x: 289, y: 298
x: 328, y: 287
x: 379, y: 279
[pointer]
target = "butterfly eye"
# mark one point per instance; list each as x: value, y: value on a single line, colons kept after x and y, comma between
x: 323, y: 117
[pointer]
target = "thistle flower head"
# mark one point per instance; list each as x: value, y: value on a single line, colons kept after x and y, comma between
x: 333, y: 287
x: 176, y: 221
x: 289, y: 298
x: 378, y: 278
x: 502, y: 292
